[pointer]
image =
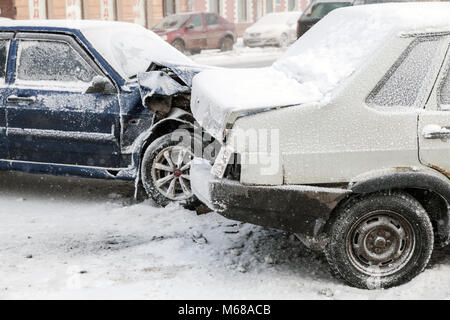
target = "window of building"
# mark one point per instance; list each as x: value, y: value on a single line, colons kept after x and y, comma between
x: 292, y: 5
x: 407, y: 78
x: 214, y: 6
x: 169, y: 7
x: 242, y: 10
x: 269, y: 6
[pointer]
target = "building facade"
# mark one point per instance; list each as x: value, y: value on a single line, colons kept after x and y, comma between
x: 145, y: 12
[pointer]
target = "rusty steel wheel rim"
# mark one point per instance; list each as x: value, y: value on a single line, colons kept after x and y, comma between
x: 170, y: 172
x: 380, y: 243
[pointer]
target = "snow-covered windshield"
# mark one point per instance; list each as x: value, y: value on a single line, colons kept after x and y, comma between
x: 172, y: 22
x: 276, y: 18
x: 130, y: 49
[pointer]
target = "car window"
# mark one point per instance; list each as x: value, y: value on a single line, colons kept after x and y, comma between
x: 172, y: 22
x: 4, y: 45
x: 40, y: 60
x: 320, y: 10
x: 197, y: 21
x: 211, y: 19
x: 444, y: 91
x: 406, y: 80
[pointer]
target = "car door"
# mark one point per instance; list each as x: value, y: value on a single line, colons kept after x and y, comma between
x: 434, y: 124
x: 195, y: 36
x: 214, y: 31
x: 50, y: 117
x: 5, y: 41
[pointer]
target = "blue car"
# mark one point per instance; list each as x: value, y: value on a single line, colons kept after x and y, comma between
x: 95, y: 99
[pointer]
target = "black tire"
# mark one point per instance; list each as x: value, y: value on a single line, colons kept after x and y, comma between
x: 179, y: 45
x: 227, y: 44
x: 394, y: 226
x: 149, y: 175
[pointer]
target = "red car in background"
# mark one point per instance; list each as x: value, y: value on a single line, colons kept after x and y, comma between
x: 193, y: 32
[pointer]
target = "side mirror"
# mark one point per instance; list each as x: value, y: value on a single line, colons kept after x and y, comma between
x: 190, y: 27
x: 101, y: 84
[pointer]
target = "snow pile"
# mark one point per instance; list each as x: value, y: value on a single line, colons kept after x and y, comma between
x: 315, y: 65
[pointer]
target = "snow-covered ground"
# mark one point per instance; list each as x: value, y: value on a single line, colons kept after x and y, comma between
x: 77, y: 238
x: 239, y: 57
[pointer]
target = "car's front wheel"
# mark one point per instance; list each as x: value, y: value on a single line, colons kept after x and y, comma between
x: 179, y: 45
x: 227, y: 44
x: 165, y: 171
x: 379, y: 240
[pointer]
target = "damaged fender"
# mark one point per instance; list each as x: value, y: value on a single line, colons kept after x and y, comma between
x: 159, y: 87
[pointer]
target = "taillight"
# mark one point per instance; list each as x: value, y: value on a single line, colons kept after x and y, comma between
x: 298, y: 30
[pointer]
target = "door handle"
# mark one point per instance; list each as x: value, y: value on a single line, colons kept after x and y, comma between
x: 434, y: 131
x: 21, y: 99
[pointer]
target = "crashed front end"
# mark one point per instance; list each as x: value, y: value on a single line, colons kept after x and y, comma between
x: 166, y: 86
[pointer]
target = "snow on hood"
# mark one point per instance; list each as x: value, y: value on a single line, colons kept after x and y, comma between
x: 217, y: 95
x: 314, y: 66
x: 130, y: 48
x: 163, y: 84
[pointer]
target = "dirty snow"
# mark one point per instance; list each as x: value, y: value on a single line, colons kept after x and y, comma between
x: 73, y: 238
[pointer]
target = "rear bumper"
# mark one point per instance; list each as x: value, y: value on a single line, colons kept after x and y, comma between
x: 299, y: 209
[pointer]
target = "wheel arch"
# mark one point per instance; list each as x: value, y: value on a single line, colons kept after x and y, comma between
x: 427, y: 186
x: 228, y: 35
x: 178, y: 39
x: 176, y: 119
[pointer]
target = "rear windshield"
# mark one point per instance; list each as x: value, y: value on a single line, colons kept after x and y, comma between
x: 320, y: 10
x: 172, y: 22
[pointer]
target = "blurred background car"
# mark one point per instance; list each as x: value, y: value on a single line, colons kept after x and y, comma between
x: 193, y: 32
x: 318, y: 9
x: 273, y: 29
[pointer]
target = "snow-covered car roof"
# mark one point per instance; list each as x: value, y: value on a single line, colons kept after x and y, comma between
x: 69, y: 24
x: 315, y: 65
x: 129, y: 48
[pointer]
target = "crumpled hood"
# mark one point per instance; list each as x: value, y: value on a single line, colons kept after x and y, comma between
x: 171, y: 80
x: 219, y: 97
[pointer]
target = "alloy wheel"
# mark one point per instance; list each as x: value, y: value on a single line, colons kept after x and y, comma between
x: 170, y: 172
